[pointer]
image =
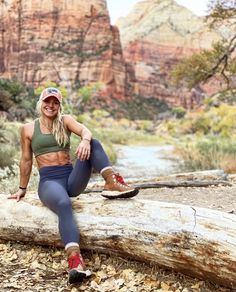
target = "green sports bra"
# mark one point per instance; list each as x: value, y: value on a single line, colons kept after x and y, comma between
x: 45, y: 143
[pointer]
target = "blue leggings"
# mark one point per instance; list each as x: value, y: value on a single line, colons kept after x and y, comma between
x: 58, y: 183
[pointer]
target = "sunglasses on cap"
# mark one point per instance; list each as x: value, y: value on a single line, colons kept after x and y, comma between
x: 51, y: 91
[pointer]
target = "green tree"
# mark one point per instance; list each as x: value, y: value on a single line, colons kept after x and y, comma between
x: 75, y: 98
x: 49, y: 83
x: 82, y: 97
x: 85, y: 93
x: 16, y: 99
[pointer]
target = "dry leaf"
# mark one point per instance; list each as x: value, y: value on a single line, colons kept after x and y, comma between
x: 12, y: 256
x: 43, y: 269
x: 196, y: 286
x: 34, y: 265
x: 57, y: 254
x: 56, y: 266
x: 111, y: 270
x: 152, y: 283
x: 97, y: 262
x: 128, y: 274
x: 74, y: 289
x: 119, y: 283
x: 101, y: 276
x: 12, y: 285
x: 165, y: 286
x: 94, y: 285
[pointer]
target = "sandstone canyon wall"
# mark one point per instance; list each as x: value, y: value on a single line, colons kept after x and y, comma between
x: 72, y: 43
x: 66, y: 41
x: 156, y: 35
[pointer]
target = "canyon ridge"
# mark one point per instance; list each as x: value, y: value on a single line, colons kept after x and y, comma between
x: 73, y: 44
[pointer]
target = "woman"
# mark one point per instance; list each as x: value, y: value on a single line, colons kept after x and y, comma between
x: 48, y: 138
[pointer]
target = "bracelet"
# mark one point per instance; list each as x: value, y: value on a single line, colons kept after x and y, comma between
x: 86, y: 139
x: 21, y: 188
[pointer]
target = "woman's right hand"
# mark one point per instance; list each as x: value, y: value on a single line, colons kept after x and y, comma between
x: 18, y: 195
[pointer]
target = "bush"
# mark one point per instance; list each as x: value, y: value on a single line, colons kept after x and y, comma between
x: 223, y: 97
x: 17, y: 99
x: 5, y: 100
x: 179, y: 112
x: 208, y: 153
x: 7, y: 153
x: 9, y: 179
x: 9, y: 142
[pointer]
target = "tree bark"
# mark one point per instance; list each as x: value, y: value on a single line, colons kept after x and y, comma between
x: 169, y: 184
x: 185, y: 179
x: 203, y: 175
x: 194, y: 241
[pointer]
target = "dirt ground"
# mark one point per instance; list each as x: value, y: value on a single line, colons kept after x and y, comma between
x: 41, y: 269
x: 222, y: 198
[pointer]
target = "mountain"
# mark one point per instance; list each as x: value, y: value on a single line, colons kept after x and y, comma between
x: 155, y: 36
x: 72, y: 43
x: 69, y: 42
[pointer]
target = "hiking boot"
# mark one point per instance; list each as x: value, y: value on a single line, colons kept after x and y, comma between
x: 115, y: 187
x: 77, y: 270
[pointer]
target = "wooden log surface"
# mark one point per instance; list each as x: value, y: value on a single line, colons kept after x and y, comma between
x: 203, y: 178
x: 194, y: 241
x: 167, y: 184
x: 203, y: 175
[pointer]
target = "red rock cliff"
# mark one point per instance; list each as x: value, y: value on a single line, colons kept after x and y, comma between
x: 65, y: 41
x: 155, y: 36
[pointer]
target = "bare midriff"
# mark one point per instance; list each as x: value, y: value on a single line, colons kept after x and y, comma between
x: 53, y: 159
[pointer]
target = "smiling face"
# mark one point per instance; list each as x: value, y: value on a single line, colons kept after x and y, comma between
x: 50, y: 107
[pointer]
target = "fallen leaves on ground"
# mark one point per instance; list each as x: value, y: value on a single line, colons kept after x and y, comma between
x: 42, y: 269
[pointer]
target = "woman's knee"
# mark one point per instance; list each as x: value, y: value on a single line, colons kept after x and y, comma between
x: 77, y: 190
x: 95, y: 143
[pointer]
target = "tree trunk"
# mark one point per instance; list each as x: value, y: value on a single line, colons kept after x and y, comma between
x: 170, y: 184
x: 184, y: 179
x: 195, y: 241
x: 203, y: 175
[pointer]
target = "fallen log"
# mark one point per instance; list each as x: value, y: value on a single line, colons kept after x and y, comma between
x: 194, y: 241
x: 177, y: 184
x: 168, y: 184
x: 204, y: 175
x: 203, y: 178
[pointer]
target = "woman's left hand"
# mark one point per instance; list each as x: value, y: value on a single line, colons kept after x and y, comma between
x: 83, y: 150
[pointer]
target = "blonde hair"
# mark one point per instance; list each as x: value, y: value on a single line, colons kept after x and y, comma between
x: 58, y: 129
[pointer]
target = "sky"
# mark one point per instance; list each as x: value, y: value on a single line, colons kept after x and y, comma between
x: 118, y: 8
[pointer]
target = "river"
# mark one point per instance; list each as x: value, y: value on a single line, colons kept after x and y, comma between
x: 145, y: 162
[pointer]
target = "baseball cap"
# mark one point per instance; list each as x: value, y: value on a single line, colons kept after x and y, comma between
x: 51, y: 91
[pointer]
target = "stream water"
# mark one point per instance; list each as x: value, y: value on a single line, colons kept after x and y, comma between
x: 145, y: 162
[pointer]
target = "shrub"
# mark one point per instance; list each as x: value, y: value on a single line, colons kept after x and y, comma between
x: 5, y: 100
x: 227, y: 96
x: 7, y: 153
x: 179, y: 112
x: 208, y: 153
x: 9, y: 142
x: 9, y: 178
x: 17, y: 99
